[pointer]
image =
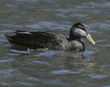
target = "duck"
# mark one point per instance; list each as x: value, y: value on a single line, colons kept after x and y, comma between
x: 52, y: 40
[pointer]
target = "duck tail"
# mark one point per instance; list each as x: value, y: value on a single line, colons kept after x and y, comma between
x: 9, y: 38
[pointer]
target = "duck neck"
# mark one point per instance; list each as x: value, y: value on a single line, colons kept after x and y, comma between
x: 83, y: 45
x: 74, y: 37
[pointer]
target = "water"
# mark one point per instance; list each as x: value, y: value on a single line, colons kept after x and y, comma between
x: 50, y: 67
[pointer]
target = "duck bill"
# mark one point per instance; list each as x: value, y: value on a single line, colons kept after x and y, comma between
x: 89, y: 38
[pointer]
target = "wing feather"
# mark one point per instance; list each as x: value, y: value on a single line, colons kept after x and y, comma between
x: 34, y: 39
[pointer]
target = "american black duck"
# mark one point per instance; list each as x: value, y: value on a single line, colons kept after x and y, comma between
x: 51, y: 40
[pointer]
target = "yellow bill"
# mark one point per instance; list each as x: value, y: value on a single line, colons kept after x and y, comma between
x: 89, y: 38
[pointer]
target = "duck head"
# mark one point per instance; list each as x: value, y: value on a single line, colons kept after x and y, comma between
x: 80, y: 30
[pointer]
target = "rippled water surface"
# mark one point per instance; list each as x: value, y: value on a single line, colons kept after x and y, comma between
x: 54, y: 68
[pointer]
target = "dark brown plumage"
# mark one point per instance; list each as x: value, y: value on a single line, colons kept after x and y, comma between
x: 52, y: 40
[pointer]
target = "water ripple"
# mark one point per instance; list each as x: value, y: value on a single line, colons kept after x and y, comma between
x: 101, y: 25
x: 9, y: 5
x: 47, y: 53
x: 99, y: 77
x: 64, y: 72
x: 2, y: 61
x: 106, y: 4
x: 107, y: 86
x: 62, y: 10
x: 33, y: 78
x: 8, y: 31
x: 20, y: 51
x: 50, y: 24
x: 41, y: 62
x: 61, y: 15
x: 34, y: 26
x: 24, y: 83
x: 4, y: 83
x: 10, y: 25
x: 8, y: 73
x: 79, y: 15
x: 106, y: 65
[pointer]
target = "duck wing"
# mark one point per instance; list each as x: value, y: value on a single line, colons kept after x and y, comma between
x: 35, y: 39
